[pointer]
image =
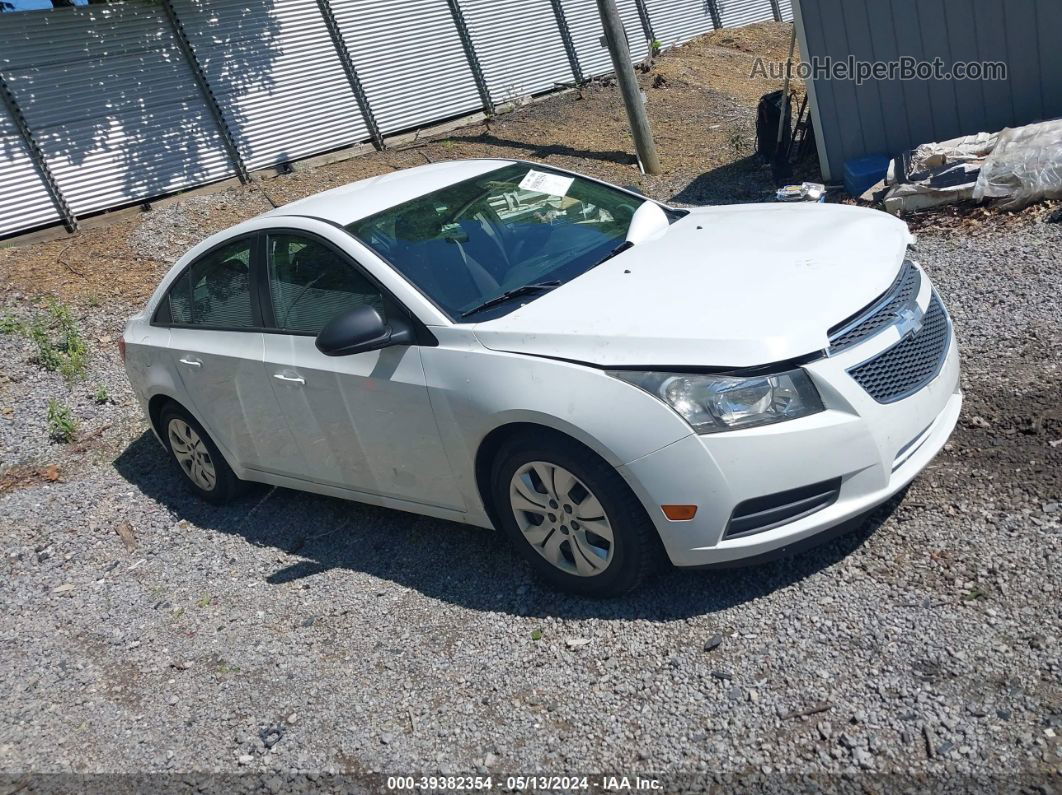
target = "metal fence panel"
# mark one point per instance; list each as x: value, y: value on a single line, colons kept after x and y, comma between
x: 123, y: 111
x: 584, y: 22
x: 519, y: 46
x: 787, y: 10
x: 111, y: 102
x: 24, y: 201
x: 735, y: 13
x: 678, y: 21
x: 412, y: 64
x: 276, y: 75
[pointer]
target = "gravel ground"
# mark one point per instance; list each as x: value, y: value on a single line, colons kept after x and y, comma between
x: 293, y: 636
x: 291, y: 632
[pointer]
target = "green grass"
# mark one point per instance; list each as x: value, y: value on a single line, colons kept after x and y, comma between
x: 9, y: 324
x: 101, y: 395
x: 60, y: 346
x: 61, y: 422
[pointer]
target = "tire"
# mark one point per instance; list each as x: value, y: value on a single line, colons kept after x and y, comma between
x: 205, y: 471
x: 567, y: 552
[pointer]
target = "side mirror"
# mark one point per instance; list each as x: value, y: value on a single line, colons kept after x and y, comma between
x: 362, y: 329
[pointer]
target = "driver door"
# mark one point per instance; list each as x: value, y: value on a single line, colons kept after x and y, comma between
x: 363, y: 421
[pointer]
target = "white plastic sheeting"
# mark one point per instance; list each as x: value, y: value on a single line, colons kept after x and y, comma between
x: 1012, y: 169
x: 112, y: 104
x: 392, y: 54
x: 1025, y: 166
x: 276, y: 74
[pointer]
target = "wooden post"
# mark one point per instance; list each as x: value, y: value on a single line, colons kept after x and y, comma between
x: 616, y: 39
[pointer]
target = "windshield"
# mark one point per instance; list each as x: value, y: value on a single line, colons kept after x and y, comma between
x: 476, y: 240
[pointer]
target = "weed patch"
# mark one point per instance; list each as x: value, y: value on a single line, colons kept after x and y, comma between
x: 60, y: 346
x: 61, y: 422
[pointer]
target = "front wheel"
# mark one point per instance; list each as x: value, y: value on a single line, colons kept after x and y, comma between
x: 573, y: 517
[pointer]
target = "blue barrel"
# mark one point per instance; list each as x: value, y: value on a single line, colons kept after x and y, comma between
x: 862, y: 173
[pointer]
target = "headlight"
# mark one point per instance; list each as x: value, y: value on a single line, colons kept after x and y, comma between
x: 713, y: 403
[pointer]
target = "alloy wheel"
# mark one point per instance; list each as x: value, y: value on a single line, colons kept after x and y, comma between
x: 192, y: 454
x: 561, y: 518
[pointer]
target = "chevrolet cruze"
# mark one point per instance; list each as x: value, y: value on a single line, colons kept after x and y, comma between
x: 606, y: 379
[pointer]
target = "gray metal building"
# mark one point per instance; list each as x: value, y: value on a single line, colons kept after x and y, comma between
x: 890, y: 116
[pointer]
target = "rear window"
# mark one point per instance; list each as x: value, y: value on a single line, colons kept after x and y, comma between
x: 215, y: 290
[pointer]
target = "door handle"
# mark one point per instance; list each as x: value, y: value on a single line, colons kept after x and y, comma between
x: 190, y: 362
x: 291, y: 379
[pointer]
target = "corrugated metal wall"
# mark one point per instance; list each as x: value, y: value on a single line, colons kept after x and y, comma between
x: 111, y: 103
x: 678, y: 21
x: 889, y: 116
x: 519, y: 46
x: 24, y: 199
x: 391, y: 54
x: 130, y: 100
x: 735, y: 13
x: 584, y: 22
x: 276, y: 75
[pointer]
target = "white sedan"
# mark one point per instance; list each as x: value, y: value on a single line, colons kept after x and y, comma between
x: 608, y: 380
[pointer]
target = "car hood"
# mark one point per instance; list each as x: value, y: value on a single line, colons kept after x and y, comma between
x: 735, y: 286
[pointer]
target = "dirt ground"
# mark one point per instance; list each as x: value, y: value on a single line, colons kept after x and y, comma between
x: 702, y: 105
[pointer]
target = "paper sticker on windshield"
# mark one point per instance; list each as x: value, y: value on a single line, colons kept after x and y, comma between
x: 541, y: 182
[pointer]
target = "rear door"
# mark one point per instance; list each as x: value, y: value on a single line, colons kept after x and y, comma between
x: 216, y: 348
x: 363, y: 421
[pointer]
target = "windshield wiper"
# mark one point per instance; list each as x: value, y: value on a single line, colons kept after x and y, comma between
x: 516, y: 292
x: 626, y: 244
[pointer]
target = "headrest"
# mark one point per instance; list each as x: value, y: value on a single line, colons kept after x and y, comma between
x: 417, y: 225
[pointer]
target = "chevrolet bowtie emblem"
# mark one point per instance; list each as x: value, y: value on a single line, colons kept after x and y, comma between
x: 909, y: 320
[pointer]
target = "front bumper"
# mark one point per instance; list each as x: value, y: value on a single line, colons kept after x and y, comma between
x: 875, y: 449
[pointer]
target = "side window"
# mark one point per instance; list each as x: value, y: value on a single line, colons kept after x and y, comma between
x: 310, y: 284
x: 215, y: 290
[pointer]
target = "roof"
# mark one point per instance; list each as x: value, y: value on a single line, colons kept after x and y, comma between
x: 365, y: 197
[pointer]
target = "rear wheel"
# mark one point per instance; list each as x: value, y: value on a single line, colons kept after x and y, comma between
x: 205, y: 470
x: 573, y: 517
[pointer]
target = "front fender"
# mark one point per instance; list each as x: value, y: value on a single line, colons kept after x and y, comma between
x: 475, y: 391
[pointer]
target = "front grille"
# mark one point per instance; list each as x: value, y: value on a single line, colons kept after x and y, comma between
x: 765, y: 513
x: 883, y: 312
x: 912, y: 363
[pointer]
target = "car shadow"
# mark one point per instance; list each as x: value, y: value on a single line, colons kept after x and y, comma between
x: 745, y: 180
x: 463, y: 565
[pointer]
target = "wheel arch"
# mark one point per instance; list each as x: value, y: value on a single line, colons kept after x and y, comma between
x: 158, y: 402
x: 496, y: 439
x: 155, y: 406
